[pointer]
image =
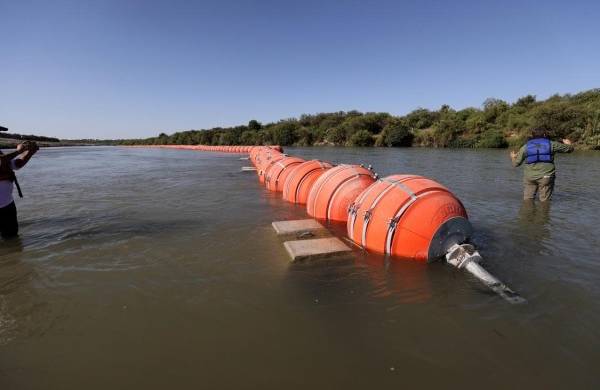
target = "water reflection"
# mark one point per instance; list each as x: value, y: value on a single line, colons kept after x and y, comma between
x: 402, y: 281
x: 534, y: 220
x: 372, y: 277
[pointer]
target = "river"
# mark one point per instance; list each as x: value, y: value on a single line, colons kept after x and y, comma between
x: 155, y: 269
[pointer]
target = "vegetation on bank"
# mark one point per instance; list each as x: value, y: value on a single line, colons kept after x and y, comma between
x: 497, y: 124
x: 10, y: 141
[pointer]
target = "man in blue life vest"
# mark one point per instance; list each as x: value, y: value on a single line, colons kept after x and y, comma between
x: 539, y: 171
x: 9, y: 163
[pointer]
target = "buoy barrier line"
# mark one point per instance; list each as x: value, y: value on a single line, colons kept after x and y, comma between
x: 367, y: 213
x: 238, y: 149
x: 266, y: 166
x: 335, y: 190
x: 393, y: 224
x: 283, y: 175
x: 301, y: 179
x: 277, y: 172
x: 402, y: 216
x: 339, y: 190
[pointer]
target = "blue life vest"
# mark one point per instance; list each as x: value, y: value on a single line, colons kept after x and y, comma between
x: 539, y: 150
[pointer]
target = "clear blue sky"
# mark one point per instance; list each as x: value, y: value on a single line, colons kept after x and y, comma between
x: 118, y: 69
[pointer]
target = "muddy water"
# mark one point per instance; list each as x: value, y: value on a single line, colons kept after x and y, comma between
x: 157, y: 269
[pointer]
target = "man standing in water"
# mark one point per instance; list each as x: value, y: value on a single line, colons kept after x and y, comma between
x: 9, y: 226
x: 538, y: 156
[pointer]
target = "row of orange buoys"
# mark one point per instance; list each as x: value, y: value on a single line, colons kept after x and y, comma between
x: 406, y: 216
x: 210, y: 148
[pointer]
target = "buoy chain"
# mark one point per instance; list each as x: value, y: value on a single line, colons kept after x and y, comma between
x: 393, y: 222
x: 353, y: 208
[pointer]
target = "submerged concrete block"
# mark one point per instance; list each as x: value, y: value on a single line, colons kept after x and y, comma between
x: 299, y: 229
x: 249, y: 169
x: 317, y: 249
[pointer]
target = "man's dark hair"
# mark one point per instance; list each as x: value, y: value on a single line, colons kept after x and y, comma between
x: 539, y: 132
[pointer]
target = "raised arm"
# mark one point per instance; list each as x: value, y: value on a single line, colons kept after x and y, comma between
x: 517, y: 157
x: 564, y: 147
x: 20, y: 149
x: 31, y: 148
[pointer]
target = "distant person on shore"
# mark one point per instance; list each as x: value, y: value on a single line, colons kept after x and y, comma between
x: 9, y: 163
x: 539, y: 171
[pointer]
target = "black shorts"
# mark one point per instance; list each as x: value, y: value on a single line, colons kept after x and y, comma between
x: 9, y: 226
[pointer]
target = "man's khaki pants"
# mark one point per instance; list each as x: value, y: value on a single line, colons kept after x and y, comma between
x: 543, y: 187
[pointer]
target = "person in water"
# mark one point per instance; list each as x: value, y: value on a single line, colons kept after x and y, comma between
x: 539, y: 171
x: 9, y: 163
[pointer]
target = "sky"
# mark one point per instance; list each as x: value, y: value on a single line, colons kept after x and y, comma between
x: 129, y: 69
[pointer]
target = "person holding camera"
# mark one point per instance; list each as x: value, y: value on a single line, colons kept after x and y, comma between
x: 9, y: 163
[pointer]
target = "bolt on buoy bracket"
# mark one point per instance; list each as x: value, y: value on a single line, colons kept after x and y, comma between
x: 466, y: 257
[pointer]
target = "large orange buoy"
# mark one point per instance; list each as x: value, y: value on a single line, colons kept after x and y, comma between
x: 301, y: 179
x: 265, y: 165
x: 263, y: 158
x: 276, y: 174
x: 408, y: 216
x: 333, y: 191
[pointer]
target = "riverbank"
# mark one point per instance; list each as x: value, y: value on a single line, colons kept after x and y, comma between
x: 497, y: 124
x: 7, y: 143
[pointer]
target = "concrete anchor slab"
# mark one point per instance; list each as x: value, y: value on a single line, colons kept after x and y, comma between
x: 300, y: 229
x: 248, y: 169
x: 316, y: 249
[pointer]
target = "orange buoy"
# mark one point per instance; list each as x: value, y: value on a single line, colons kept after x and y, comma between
x: 408, y: 216
x: 277, y: 173
x: 265, y: 165
x: 334, y: 190
x: 301, y: 179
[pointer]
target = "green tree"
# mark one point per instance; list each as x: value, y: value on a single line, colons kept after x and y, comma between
x: 284, y: 133
x: 397, y: 133
x: 361, y: 138
x: 254, y: 125
x: 226, y: 138
x: 492, y: 139
x: 336, y: 136
x: 249, y: 137
x: 421, y: 118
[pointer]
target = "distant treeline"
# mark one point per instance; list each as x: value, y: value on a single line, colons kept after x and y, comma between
x: 24, y: 137
x: 497, y: 124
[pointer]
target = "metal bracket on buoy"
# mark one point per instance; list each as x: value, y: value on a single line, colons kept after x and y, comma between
x: 466, y: 257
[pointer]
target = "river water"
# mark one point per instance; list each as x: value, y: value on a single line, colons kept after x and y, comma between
x: 155, y: 269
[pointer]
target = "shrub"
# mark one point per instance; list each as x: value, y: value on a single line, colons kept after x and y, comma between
x: 284, y: 133
x: 361, y: 138
x: 248, y: 137
x: 492, y: 139
x: 397, y: 133
x: 336, y: 135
